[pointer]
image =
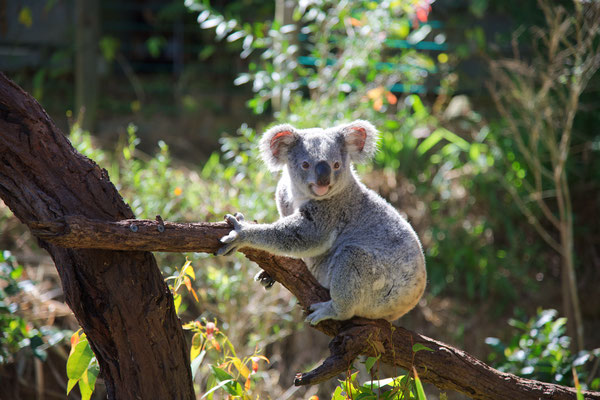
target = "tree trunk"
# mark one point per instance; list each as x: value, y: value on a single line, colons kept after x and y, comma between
x: 119, y: 297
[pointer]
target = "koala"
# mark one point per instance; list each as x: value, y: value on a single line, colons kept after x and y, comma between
x: 353, y: 242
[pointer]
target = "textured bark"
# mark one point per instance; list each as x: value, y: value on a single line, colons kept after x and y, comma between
x: 446, y: 367
x: 119, y: 298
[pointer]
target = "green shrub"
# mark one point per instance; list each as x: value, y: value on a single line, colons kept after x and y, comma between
x: 540, y: 350
x: 18, y: 335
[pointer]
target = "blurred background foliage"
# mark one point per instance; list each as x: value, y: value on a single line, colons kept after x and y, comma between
x: 181, y: 91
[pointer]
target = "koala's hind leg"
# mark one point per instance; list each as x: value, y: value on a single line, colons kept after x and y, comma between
x: 347, y: 285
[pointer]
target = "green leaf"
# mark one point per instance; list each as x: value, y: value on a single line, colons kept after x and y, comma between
x: 177, y: 302
x: 71, y: 384
x: 79, y: 360
x: 155, y: 44
x: 88, y: 382
x: 188, y: 269
x: 455, y: 139
x: 366, y: 396
x: 232, y: 387
x: 370, y: 362
x: 93, y: 373
x: 196, y: 363
x: 430, y: 141
x: 420, y: 346
x: 337, y: 394
x: 25, y: 17
x: 419, y: 387
x: 86, y: 393
x: 417, y: 105
x: 474, y: 151
x: 220, y: 385
x: 109, y: 47
x: 16, y: 273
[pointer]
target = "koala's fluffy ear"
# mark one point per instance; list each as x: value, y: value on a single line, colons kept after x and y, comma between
x: 275, y: 144
x: 361, y: 140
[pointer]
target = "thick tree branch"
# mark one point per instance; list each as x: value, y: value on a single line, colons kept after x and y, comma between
x: 446, y: 367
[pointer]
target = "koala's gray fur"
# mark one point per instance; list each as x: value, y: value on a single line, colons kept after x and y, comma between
x: 353, y: 241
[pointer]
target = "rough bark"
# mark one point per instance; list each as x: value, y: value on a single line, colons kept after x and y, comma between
x: 446, y: 367
x: 119, y: 298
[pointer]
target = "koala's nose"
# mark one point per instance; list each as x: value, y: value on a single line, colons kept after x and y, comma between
x: 323, y: 172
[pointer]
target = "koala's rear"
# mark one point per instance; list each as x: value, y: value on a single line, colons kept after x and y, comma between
x: 353, y: 241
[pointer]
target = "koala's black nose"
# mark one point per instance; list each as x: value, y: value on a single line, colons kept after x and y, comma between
x: 323, y: 172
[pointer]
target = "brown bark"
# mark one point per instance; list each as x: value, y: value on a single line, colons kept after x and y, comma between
x: 446, y: 367
x: 119, y: 298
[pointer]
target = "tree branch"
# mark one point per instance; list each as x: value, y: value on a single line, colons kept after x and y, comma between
x: 446, y: 367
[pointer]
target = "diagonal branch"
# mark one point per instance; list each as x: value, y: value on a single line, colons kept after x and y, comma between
x: 446, y: 367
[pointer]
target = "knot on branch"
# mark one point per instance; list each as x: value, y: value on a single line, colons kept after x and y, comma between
x: 46, y: 230
x: 352, y: 340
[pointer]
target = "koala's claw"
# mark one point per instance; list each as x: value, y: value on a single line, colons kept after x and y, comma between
x: 235, y: 220
x: 239, y: 216
x: 264, y: 279
x: 227, y: 249
x: 231, y: 241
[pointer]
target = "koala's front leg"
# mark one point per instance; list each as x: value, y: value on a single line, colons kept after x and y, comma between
x: 234, y: 239
x: 297, y: 235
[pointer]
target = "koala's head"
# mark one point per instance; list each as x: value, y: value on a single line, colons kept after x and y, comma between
x: 319, y: 161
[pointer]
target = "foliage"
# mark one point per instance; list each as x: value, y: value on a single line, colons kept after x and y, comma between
x: 226, y: 371
x: 153, y: 185
x: 82, y: 366
x: 540, y: 350
x: 183, y: 277
x: 402, y: 387
x: 338, y: 53
x: 538, y: 100
x: 210, y: 340
x: 17, y: 333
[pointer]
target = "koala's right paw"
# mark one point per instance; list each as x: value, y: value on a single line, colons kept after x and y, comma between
x: 264, y: 279
x: 234, y: 239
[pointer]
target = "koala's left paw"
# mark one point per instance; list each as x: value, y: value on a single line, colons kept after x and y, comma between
x: 234, y: 239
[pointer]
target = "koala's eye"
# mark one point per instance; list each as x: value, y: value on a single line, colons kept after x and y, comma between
x: 336, y: 165
x: 305, y: 165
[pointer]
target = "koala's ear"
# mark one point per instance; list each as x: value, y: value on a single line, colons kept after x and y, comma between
x: 275, y: 144
x: 361, y: 140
